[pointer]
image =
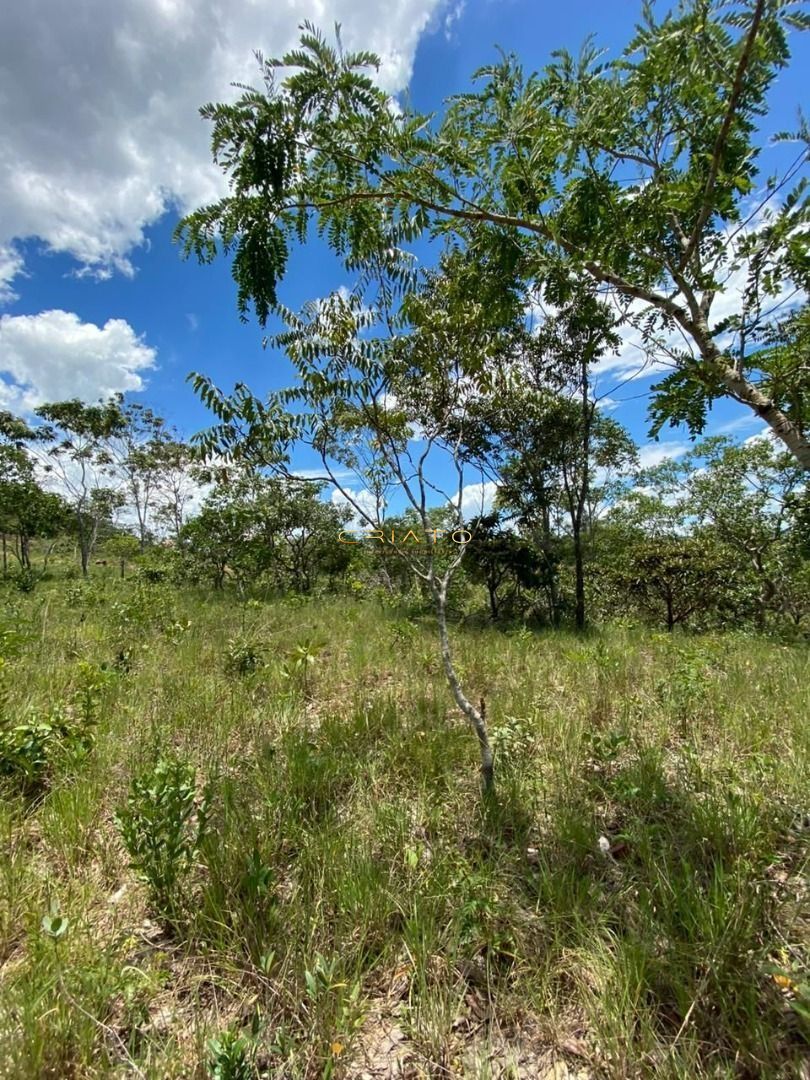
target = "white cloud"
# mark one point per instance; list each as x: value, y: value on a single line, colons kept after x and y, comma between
x: 102, y: 145
x: 477, y: 499
x: 452, y: 17
x: 654, y: 453
x: 763, y: 435
x: 53, y: 356
x: 364, y: 499
x: 739, y: 423
x: 320, y: 474
x: 11, y: 264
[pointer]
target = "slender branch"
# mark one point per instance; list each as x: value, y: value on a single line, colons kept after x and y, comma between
x: 722, y: 135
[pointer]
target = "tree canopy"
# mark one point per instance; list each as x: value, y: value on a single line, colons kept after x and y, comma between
x: 641, y: 172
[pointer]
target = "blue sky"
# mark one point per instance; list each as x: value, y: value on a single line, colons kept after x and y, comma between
x: 98, y: 163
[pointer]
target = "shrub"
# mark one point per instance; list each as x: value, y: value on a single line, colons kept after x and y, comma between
x: 91, y: 681
x: 86, y: 595
x: 243, y: 656
x: 513, y: 741
x: 26, y: 580
x: 13, y: 635
x: 162, y: 826
x: 29, y: 751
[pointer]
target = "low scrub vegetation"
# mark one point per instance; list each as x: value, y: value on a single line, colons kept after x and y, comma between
x: 258, y: 847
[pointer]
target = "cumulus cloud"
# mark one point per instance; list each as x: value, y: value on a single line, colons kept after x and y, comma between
x: 362, y: 499
x: 655, y: 452
x: 100, y: 128
x: 763, y: 435
x: 477, y: 499
x: 54, y: 356
x: 11, y: 264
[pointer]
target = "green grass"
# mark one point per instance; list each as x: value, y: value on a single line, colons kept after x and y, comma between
x: 350, y: 899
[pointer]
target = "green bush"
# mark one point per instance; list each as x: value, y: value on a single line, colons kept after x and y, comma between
x: 243, y: 656
x: 228, y: 1057
x: 29, y: 751
x: 162, y: 826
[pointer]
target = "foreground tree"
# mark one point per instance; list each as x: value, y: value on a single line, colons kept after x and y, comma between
x: 639, y: 173
x: 378, y: 407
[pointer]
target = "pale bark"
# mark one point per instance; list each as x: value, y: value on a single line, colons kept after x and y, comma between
x: 475, y: 716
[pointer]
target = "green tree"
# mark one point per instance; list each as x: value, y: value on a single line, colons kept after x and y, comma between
x: 677, y: 577
x: 639, y: 172
x: 175, y: 482
x: 745, y: 497
x: 79, y: 456
x: 252, y: 525
x: 555, y: 475
x: 141, y: 451
x: 545, y: 422
x: 26, y: 510
x: 499, y: 558
x: 376, y: 400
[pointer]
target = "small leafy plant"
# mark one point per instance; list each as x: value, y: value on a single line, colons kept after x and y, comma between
x: 162, y: 826
x: 228, y: 1057
x: 403, y: 631
x: 55, y: 924
x: 299, y: 661
x: 91, y: 681
x: 243, y: 656
x: 13, y: 636
x: 333, y: 1005
x: 513, y: 741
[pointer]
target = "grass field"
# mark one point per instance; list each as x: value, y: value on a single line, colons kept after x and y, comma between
x: 322, y: 892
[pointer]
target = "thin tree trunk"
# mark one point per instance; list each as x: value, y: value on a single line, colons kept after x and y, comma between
x: 493, y: 601
x: 475, y: 716
x: 588, y: 408
x: 579, y: 571
x: 48, y: 553
x: 551, y: 587
x: 83, y: 540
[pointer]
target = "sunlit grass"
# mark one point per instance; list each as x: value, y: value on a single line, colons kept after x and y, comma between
x: 350, y: 883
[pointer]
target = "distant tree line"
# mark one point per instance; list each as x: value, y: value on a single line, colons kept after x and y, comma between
x: 716, y: 538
